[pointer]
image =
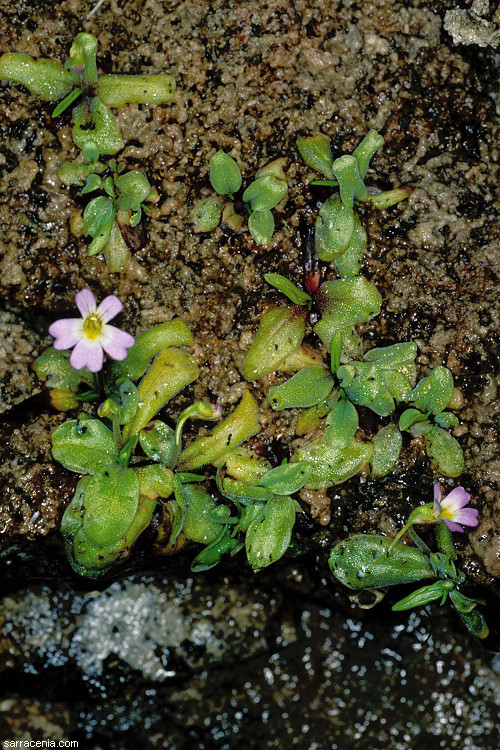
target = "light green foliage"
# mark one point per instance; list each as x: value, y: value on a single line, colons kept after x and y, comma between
x: 363, y: 561
x: 333, y: 229
x: 279, y: 335
x: 206, y: 214
x: 242, y: 424
x: 445, y: 452
x: 288, y: 288
x: 345, y: 302
x: 171, y: 371
x: 265, y: 511
x: 45, y: 78
x: 268, y: 536
x: 118, y: 90
x: 96, y: 133
x: 84, y: 445
x: 434, y: 393
x: 315, y: 151
x: 387, y: 445
x: 124, y: 198
x: 338, y: 230
x: 261, y: 195
x: 308, y: 387
x: 225, y: 175
x: 333, y: 464
x: 147, y: 345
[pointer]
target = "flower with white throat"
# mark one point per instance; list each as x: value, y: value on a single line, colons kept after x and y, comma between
x: 90, y: 336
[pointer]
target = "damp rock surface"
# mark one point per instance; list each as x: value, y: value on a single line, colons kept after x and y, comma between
x: 173, y: 662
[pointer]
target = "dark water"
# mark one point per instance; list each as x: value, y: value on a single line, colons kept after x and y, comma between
x: 219, y: 662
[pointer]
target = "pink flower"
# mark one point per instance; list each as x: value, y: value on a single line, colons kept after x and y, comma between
x: 90, y: 334
x: 451, y: 509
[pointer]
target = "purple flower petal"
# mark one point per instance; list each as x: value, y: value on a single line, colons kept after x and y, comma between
x: 456, y: 499
x: 67, y: 332
x: 116, y: 342
x: 437, y: 492
x: 453, y: 526
x: 87, y: 354
x: 85, y: 302
x: 109, y: 307
x: 468, y: 516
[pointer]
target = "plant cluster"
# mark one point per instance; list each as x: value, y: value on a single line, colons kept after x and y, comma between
x: 367, y: 562
x: 381, y: 379
x: 262, y: 194
x: 95, y: 132
x: 130, y: 461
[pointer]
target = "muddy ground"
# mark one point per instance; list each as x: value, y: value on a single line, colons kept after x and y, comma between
x: 251, y: 77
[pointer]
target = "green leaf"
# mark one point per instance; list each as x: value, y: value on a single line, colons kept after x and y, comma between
x: 265, y: 192
x: 147, y: 345
x: 335, y: 351
x: 397, y: 356
x: 341, y: 425
x: 117, y: 90
x: 410, y: 417
x: 308, y: 387
x: 179, y: 507
x: 172, y: 370
x: 268, y: 538
x: 288, y: 288
x: 97, y: 214
x: 387, y: 445
x: 286, y: 479
x: 346, y: 302
x: 349, y: 263
x: 445, y: 452
x: 133, y: 188
x: 214, y: 552
x: 366, y: 149
x: 54, y: 367
x: 199, y: 524
x: 136, y: 217
x: 66, y: 102
x: 84, y: 445
x: 261, y: 226
x: 95, y: 128
x: 206, y: 215
x: 157, y: 440
x: 93, y: 182
x: 45, y: 78
x: 421, y: 428
x: 434, y: 392
x: 108, y: 187
x: 245, y: 492
x: 425, y: 595
x: 102, y: 237
x: 242, y: 424
x: 279, y: 335
x: 365, y: 561
x: 111, y: 500
x: 332, y: 465
x: 225, y: 175
x: 334, y: 228
x: 129, y: 400
x: 351, y: 185
x: 315, y: 151
x: 473, y: 621
x: 364, y: 384
x: 390, y: 197
x: 446, y: 419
